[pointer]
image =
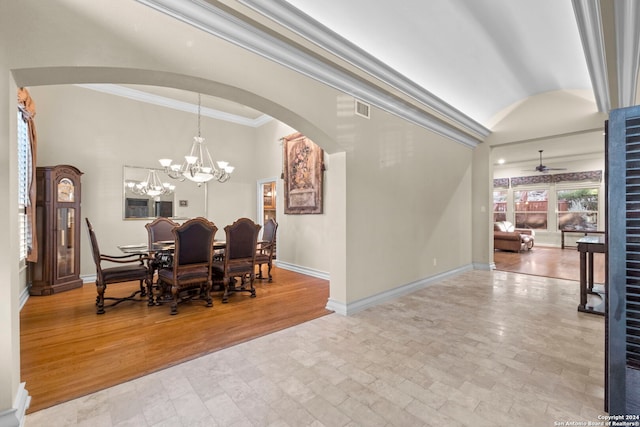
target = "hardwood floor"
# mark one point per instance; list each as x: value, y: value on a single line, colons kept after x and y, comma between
x: 68, y: 351
x: 547, y: 262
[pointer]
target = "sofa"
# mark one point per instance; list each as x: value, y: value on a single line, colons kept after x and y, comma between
x: 508, y: 238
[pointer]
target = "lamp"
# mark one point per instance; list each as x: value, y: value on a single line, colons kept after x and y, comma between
x: 151, y: 187
x: 198, y: 166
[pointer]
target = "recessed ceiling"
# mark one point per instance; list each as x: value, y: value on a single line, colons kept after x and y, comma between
x: 478, y: 56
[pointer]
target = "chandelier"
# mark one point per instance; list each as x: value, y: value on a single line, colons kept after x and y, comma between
x: 198, y: 166
x: 151, y: 187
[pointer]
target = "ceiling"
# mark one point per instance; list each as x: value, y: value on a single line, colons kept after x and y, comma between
x: 478, y: 56
x: 461, y: 61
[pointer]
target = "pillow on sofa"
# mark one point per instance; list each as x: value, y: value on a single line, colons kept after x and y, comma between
x: 503, y: 226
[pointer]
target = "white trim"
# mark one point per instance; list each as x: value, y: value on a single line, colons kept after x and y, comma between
x: 215, y: 21
x: 88, y: 278
x: 356, y: 306
x: 24, y: 296
x: 484, y: 266
x: 138, y: 95
x: 589, y: 22
x: 302, y: 270
x: 302, y: 24
x: 260, y: 199
x: 15, y: 416
x: 627, y: 23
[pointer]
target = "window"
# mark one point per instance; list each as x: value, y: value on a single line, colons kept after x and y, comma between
x: 24, y: 172
x: 531, y: 209
x: 500, y: 205
x: 578, y: 209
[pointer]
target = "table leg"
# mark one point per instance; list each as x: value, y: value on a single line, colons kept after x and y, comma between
x: 590, y: 272
x: 583, y: 280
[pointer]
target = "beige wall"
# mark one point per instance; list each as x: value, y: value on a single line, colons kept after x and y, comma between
x: 100, y: 133
x: 12, y: 274
x: 399, y: 203
x: 408, y: 190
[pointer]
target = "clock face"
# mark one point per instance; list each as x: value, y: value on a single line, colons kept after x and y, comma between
x: 65, y: 190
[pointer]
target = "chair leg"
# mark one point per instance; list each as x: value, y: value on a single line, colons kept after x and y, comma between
x: 174, y: 300
x: 100, y: 298
x: 207, y: 293
x: 259, y: 271
x: 269, y: 271
x: 149, y: 281
x: 225, y: 296
x: 252, y: 289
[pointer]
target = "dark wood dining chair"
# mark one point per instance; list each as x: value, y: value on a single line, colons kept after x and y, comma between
x: 266, y: 248
x: 160, y: 230
x: 192, y: 260
x: 133, y: 268
x: 239, y: 257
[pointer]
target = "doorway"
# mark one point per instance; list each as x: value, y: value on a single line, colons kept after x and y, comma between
x: 266, y: 200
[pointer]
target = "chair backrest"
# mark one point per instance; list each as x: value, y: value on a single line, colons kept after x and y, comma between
x: 242, y: 239
x: 160, y: 229
x: 194, y: 242
x: 269, y: 230
x: 95, y: 250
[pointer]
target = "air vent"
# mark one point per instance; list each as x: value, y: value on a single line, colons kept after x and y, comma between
x: 362, y: 109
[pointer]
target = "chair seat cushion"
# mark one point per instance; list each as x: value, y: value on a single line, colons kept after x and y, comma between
x: 124, y: 273
x: 236, y: 267
x: 192, y: 274
x: 261, y: 258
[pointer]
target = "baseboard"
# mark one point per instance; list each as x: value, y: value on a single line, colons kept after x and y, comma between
x: 24, y: 296
x: 483, y: 266
x: 88, y: 278
x: 356, y: 306
x: 15, y: 417
x: 302, y: 270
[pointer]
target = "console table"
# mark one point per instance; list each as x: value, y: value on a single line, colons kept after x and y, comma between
x: 584, y: 233
x: 587, y: 246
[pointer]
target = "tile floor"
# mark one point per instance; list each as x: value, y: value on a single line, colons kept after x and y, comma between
x: 479, y: 349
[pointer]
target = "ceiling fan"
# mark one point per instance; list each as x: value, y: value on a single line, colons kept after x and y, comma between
x: 542, y: 168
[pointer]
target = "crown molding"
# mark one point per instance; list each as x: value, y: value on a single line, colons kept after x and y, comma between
x: 217, y: 22
x: 627, y: 18
x: 138, y: 95
x: 589, y: 22
x: 303, y: 25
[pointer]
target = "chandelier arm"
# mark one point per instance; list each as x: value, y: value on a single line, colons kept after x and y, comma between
x: 198, y: 166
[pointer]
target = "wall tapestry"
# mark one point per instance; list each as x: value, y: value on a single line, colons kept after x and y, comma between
x: 303, y: 167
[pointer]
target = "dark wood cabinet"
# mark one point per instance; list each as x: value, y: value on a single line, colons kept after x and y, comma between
x: 58, y: 230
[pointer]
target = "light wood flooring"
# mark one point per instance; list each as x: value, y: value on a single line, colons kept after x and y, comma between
x: 548, y: 262
x: 68, y: 351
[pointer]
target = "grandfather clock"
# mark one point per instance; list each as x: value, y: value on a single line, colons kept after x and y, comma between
x: 58, y: 230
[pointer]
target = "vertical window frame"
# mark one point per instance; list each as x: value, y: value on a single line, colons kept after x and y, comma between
x: 24, y: 172
x: 518, y: 203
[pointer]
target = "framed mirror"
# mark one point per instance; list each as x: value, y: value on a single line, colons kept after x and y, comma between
x: 149, y: 193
